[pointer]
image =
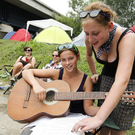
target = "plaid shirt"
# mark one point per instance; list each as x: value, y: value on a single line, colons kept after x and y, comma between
x: 50, y: 65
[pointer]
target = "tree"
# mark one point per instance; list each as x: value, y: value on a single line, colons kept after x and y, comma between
x: 125, y: 10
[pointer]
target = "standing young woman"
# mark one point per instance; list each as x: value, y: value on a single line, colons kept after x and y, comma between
x: 116, y: 50
x: 77, y: 80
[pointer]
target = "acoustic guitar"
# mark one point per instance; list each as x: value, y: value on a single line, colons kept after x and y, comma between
x: 23, y: 105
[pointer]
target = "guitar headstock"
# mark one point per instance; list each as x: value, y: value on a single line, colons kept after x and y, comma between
x: 129, y: 97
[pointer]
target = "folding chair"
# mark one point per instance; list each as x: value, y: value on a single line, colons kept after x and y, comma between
x: 9, y: 74
x: 8, y: 68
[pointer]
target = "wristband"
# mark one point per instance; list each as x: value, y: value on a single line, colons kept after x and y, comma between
x: 94, y: 74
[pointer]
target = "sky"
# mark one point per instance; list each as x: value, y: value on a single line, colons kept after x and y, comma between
x: 59, y: 5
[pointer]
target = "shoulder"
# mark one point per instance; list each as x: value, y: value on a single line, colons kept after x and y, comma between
x: 128, y: 38
x: 32, y: 58
x: 20, y: 57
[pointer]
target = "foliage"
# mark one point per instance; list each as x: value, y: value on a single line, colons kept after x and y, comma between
x: 77, y: 5
x: 125, y: 11
x: 131, y: 131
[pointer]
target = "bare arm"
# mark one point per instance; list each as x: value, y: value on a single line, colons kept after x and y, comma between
x: 28, y: 76
x: 91, y: 61
x: 33, y: 62
x: 89, y: 107
x: 18, y: 60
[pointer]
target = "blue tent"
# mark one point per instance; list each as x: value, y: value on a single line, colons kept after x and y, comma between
x: 9, y: 35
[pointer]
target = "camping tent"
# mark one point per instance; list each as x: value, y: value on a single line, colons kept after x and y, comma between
x: 53, y: 35
x: 20, y: 35
x: 79, y: 40
x: 9, y: 35
x: 47, y: 23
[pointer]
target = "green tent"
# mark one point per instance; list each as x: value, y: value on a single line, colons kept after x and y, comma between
x: 53, y: 35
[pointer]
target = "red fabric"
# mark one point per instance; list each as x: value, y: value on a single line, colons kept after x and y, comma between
x: 27, y: 59
x: 20, y: 35
x: 133, y: 28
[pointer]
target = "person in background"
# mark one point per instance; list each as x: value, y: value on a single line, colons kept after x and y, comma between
x: 22, y: 63
x: 77, y: 80
x: 55, y: 64
x: 116, y: 50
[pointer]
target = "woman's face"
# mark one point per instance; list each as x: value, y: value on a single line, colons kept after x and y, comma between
x: 69, y: 60
x: 95, y: 33
x: 28, y: 51
x: 55, y: 57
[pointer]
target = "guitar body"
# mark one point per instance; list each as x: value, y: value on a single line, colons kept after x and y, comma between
x: 35, y: 108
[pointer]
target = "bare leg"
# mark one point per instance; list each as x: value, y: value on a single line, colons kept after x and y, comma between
x: 17, y: 68
x: 105, y: 131
x: 114, y: 132
x: 17, y: 71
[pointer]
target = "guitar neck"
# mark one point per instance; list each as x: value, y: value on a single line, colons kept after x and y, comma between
x: 79, y: 95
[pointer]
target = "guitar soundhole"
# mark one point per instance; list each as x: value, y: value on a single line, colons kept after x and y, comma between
x: 50, y: 96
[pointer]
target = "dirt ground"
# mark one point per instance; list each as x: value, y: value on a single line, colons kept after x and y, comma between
x: 7, y: 125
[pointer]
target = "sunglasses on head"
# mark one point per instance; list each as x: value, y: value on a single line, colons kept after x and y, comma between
x: 67, y: 46
x: 28, y: 50
x: 55, y: 55
x: 93, y: 13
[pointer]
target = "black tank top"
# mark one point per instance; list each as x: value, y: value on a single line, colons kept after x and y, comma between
x: 110, y: 68
x: 24, y: 62
x: 76, y: 106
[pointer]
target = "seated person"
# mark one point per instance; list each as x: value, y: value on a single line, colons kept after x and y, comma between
x: 77, y: 80
x: 56, y: 64
x: 23, y: 62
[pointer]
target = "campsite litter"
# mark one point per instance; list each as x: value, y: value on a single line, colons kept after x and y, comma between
x: 3, y: 75
x: 4, y: 87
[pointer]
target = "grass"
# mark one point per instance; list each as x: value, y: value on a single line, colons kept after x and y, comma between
x: 11, y: 50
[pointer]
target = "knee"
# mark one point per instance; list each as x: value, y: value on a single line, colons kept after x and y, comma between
x: 19, y: 65
x: 29, y: 65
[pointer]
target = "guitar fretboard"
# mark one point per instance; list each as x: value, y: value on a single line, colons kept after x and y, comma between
x: 79, y: 95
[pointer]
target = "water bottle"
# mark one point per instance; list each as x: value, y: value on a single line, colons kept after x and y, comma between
x: 4, y: 87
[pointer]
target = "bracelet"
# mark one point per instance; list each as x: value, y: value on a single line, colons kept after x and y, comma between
x: 94, y: 74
